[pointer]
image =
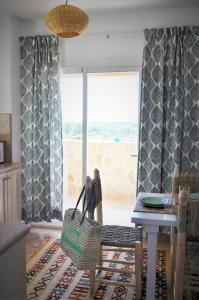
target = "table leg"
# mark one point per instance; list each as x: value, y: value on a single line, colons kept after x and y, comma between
x: 151, y: 261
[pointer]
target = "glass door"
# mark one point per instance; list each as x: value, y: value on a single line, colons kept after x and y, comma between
x: 100, y: 130
x: 112, y: 140
x: 71, y: 95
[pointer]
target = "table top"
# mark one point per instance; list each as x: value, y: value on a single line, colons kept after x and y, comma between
x: 147, y: 217
x: 139, y: 207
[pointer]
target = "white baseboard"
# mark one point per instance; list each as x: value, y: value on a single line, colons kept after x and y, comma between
x: 52, y: 225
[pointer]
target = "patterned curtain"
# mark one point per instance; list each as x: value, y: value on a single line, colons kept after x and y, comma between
x: 41, y: 129
x: 169, y: 111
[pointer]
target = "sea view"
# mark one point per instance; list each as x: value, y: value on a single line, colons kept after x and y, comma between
x: 106, y: 131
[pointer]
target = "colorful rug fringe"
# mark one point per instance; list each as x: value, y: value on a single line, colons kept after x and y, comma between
x: 52, y: 276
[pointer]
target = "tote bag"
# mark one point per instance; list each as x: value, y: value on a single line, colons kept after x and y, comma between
x: 80, y: 238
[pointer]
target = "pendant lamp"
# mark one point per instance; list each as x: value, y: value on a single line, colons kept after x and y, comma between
x: 66, y: 21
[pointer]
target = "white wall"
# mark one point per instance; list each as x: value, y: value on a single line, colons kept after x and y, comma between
x: 19, y: 27
x: 125, y: 30
x: 5, y: 64
x: 123, y: 47
x: 10, y: 30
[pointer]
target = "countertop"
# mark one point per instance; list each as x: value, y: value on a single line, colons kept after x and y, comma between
x: 10, y: 234
x: 9, y: 166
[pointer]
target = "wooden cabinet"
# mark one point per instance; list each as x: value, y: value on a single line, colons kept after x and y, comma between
x: 10, y: 193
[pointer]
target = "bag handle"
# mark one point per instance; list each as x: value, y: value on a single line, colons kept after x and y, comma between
x: 80, y: 196
x: 84, y: 210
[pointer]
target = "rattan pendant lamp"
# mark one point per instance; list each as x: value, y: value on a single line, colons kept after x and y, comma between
x: 66, y: 21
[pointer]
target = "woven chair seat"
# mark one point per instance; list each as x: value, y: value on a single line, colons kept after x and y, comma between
x: 120, y: 236
x: 191, y: 251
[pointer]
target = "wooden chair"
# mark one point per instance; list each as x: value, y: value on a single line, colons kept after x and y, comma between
x: 180, y: 180
x: 115, y: 238
x: 185, y: 180
x: 187, y: 248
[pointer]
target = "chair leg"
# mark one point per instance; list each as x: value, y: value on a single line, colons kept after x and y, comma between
x: 92, y: 285
x: 173, y: 238
x: 138, y: 270
x: 179, y: 272
x: 100, y: 256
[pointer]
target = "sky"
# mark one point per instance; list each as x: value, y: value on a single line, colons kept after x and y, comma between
x: 111, y: 98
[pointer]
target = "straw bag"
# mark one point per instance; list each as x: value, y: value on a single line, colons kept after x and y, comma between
x: 81, y: 237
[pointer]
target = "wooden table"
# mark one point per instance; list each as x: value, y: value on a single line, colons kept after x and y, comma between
x: 152, y: 221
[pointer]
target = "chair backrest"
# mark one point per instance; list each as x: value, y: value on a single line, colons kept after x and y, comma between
x: 97, y: 187
x: 186, y: 180
x: 188, y: 214
x: 188, y: 230
x: 89, y: 197
x: 97, y: 193
x: 93, y: 196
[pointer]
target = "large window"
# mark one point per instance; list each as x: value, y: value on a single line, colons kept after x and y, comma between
x: 100, y: 130
x: 71, y: 93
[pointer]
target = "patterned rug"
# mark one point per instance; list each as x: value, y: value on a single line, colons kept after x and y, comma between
x: 34, y: 244
x: 52, y: 275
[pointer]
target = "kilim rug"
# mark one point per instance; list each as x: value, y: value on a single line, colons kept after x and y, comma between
x: 52, y: 275
x: 34, y: 244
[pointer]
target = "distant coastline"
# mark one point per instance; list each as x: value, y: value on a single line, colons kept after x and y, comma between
x: 106, y: 131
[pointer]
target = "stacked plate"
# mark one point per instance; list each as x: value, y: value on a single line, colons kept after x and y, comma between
x: 156, y: 202
x: 194, y: 196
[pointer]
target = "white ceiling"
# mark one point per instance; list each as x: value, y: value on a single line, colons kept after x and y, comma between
x: 34, y: 9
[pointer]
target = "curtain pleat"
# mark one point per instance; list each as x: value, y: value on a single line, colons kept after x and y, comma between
x: 169, y: 108
x: 41, y: 129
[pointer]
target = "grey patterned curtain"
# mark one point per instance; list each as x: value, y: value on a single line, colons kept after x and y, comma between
x: 41, y: 134
x: 169, y: 111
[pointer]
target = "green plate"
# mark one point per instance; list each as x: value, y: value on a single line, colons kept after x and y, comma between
x: 153, y: 202
x: 194, y: 196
